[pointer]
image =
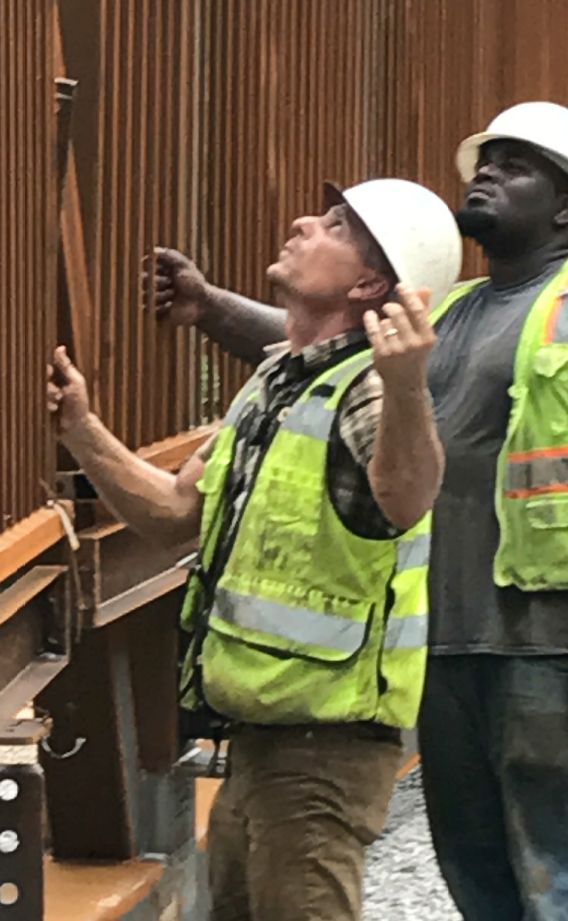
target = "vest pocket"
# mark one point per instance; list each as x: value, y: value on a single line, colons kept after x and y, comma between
x: 320, y: 633
x: 545, y: 547
x: 548, y: 512
x: 253, y: 676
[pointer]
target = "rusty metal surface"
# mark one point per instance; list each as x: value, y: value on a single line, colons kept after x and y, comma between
x: 27, y: 251
x: 119, y: 572
x: 21, y: 847
x: 35, y: 624
x: 20, y: 732
x: 92, y: 769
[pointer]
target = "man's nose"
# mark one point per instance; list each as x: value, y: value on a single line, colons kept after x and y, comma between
x: 486, y: 171
x: 304, y: 225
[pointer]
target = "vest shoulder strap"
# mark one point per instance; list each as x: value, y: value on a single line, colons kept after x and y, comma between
x: 546, y: 323
x: 459, y: 291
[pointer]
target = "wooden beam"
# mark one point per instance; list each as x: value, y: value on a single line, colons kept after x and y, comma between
x: 97, y: 892
x: 14, y: 598
x: 171, y: 453
x: 29, y: 538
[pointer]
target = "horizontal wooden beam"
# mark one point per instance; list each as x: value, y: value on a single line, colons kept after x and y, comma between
x: 171, y: 453
x: 14, y: 598
x: 97, y: 892
x: 28, y: 539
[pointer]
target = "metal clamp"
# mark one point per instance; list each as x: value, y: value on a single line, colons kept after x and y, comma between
x: 79, y: 743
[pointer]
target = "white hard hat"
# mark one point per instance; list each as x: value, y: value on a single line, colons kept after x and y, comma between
x: 544, y: 125
x: 415, y: 229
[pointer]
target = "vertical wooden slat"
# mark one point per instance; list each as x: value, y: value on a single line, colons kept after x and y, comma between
x: 28, y: 232
x: 210, y: 125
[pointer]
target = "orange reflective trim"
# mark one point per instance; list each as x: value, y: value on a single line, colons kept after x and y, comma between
x: 552, y: 319
x: 519, y: 456
x: 535, y: 491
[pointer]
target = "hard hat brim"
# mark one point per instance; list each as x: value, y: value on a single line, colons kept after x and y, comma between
x: 468, y: 152
x: 332, y: 195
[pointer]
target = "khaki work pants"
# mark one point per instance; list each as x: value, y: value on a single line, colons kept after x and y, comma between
x: 289, y: 825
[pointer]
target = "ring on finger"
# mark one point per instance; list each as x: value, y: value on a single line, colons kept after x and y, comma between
x: 391, y: 332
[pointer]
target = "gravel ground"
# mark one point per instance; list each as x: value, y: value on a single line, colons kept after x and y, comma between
x: 402, y: 881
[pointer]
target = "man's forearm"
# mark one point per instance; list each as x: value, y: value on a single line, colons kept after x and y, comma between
x: 241, y: 326
x: 407, y: 466
x: 143, y: 496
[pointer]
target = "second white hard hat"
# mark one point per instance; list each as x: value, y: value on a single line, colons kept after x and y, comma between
x: 544, y: 125
x: 415, y: 229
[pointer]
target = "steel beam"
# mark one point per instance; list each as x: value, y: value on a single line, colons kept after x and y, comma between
x: 21, y: 843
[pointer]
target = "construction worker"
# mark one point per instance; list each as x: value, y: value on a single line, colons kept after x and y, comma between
x: 494, y: 727
x: 494, y: 724
x: 308, y: 608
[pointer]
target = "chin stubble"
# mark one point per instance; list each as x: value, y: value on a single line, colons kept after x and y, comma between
x: 477, y: 225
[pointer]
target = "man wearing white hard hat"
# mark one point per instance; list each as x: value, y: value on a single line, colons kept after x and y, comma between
x: 307, y: 611
x: 494, y: 725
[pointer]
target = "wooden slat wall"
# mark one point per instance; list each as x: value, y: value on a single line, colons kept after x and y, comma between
x: 28, y: 229
x: 445, y: 68
x: 209, y: 125
x: 206, y: 125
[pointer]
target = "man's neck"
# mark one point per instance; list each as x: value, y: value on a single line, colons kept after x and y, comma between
x: 305, y: 326
x: 507, y: 271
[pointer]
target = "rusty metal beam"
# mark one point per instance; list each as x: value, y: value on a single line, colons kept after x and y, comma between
x: 35, y: 629
x: 21, y: 842
x: 21, y: 732
x: 92, y: 765
x: 119, y: 571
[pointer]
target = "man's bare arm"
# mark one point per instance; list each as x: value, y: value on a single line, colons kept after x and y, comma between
x: 408, y: 461
x: 240, y: 325
x: 406, y: 469
x: 158, y: 505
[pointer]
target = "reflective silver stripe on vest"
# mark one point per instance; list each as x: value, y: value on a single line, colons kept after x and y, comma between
x: 536, y: 473
x: 411, y: 554
x: 560, y: 333
x: 311, y: 418
x: 299, y: 625
x: 241, y: 398
x: 352, y: 369
x: 409, y: 632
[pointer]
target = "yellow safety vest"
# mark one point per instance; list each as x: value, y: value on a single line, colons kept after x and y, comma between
x: 308, y: 622
x: 531, y: 497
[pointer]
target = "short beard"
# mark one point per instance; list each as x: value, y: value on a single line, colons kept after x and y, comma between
x: 478, y: 225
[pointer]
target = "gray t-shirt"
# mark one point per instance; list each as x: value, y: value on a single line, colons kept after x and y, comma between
x: 470, y: 372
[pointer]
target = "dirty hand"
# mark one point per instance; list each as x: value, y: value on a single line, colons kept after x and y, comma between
x: 403, y: 338
x: 180, y: 288
x: 67, y: 396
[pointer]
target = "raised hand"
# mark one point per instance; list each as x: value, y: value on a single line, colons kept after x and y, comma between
x: 180, y: 288
x: 67, y: 395
x: 402, y: 338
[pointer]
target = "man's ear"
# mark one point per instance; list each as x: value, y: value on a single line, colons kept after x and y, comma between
x: 561, y: 216
x: 370, y: 287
